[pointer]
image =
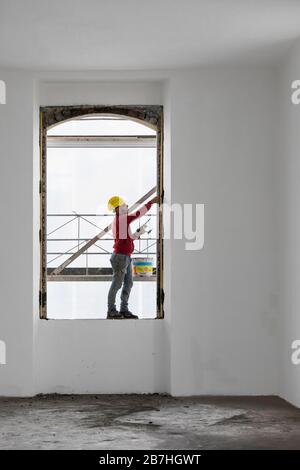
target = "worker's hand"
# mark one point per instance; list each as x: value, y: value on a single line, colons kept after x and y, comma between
x: 155, y: 200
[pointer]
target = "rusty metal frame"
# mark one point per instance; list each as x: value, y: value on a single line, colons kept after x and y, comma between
x: 149, y: 115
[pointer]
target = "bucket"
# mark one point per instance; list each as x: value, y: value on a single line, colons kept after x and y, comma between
x: 142, y: 266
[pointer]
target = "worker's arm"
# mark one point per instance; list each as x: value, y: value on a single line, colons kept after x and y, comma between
x: 142, y: 211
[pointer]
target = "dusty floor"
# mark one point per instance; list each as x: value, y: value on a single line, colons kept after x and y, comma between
x: 148, y: 422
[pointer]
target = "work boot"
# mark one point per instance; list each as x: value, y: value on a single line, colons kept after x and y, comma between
x: 114, y: 315
x: 128, y: 314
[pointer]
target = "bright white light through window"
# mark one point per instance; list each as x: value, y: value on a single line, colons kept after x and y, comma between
x: 80, y: 180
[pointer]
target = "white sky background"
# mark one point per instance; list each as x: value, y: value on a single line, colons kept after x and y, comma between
x: 82, y: 180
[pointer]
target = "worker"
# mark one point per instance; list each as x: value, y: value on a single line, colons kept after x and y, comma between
x: 121, y: 257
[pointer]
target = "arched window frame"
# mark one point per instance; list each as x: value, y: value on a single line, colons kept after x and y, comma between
x: 150, y: 115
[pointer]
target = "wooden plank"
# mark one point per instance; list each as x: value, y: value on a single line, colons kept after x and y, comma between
x: 91, y: 141
x: 93, y: 277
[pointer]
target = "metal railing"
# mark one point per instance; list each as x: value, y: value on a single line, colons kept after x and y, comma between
x: 81, y: 221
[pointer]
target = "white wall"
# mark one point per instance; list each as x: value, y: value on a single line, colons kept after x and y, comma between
x: 220, y: 331
x: 16, y: 234
x: 290, y: 223
x: 224, y: 298
x: 105, y: 92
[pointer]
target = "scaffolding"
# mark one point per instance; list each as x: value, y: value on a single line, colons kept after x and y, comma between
x: 63, y: 273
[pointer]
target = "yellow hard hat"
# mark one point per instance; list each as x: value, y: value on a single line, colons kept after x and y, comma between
x: 115, y: 202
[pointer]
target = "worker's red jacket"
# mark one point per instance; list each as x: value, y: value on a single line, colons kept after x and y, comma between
x: 124, y: 239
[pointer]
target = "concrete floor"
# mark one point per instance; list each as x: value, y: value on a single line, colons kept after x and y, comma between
x: 148, y: 422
